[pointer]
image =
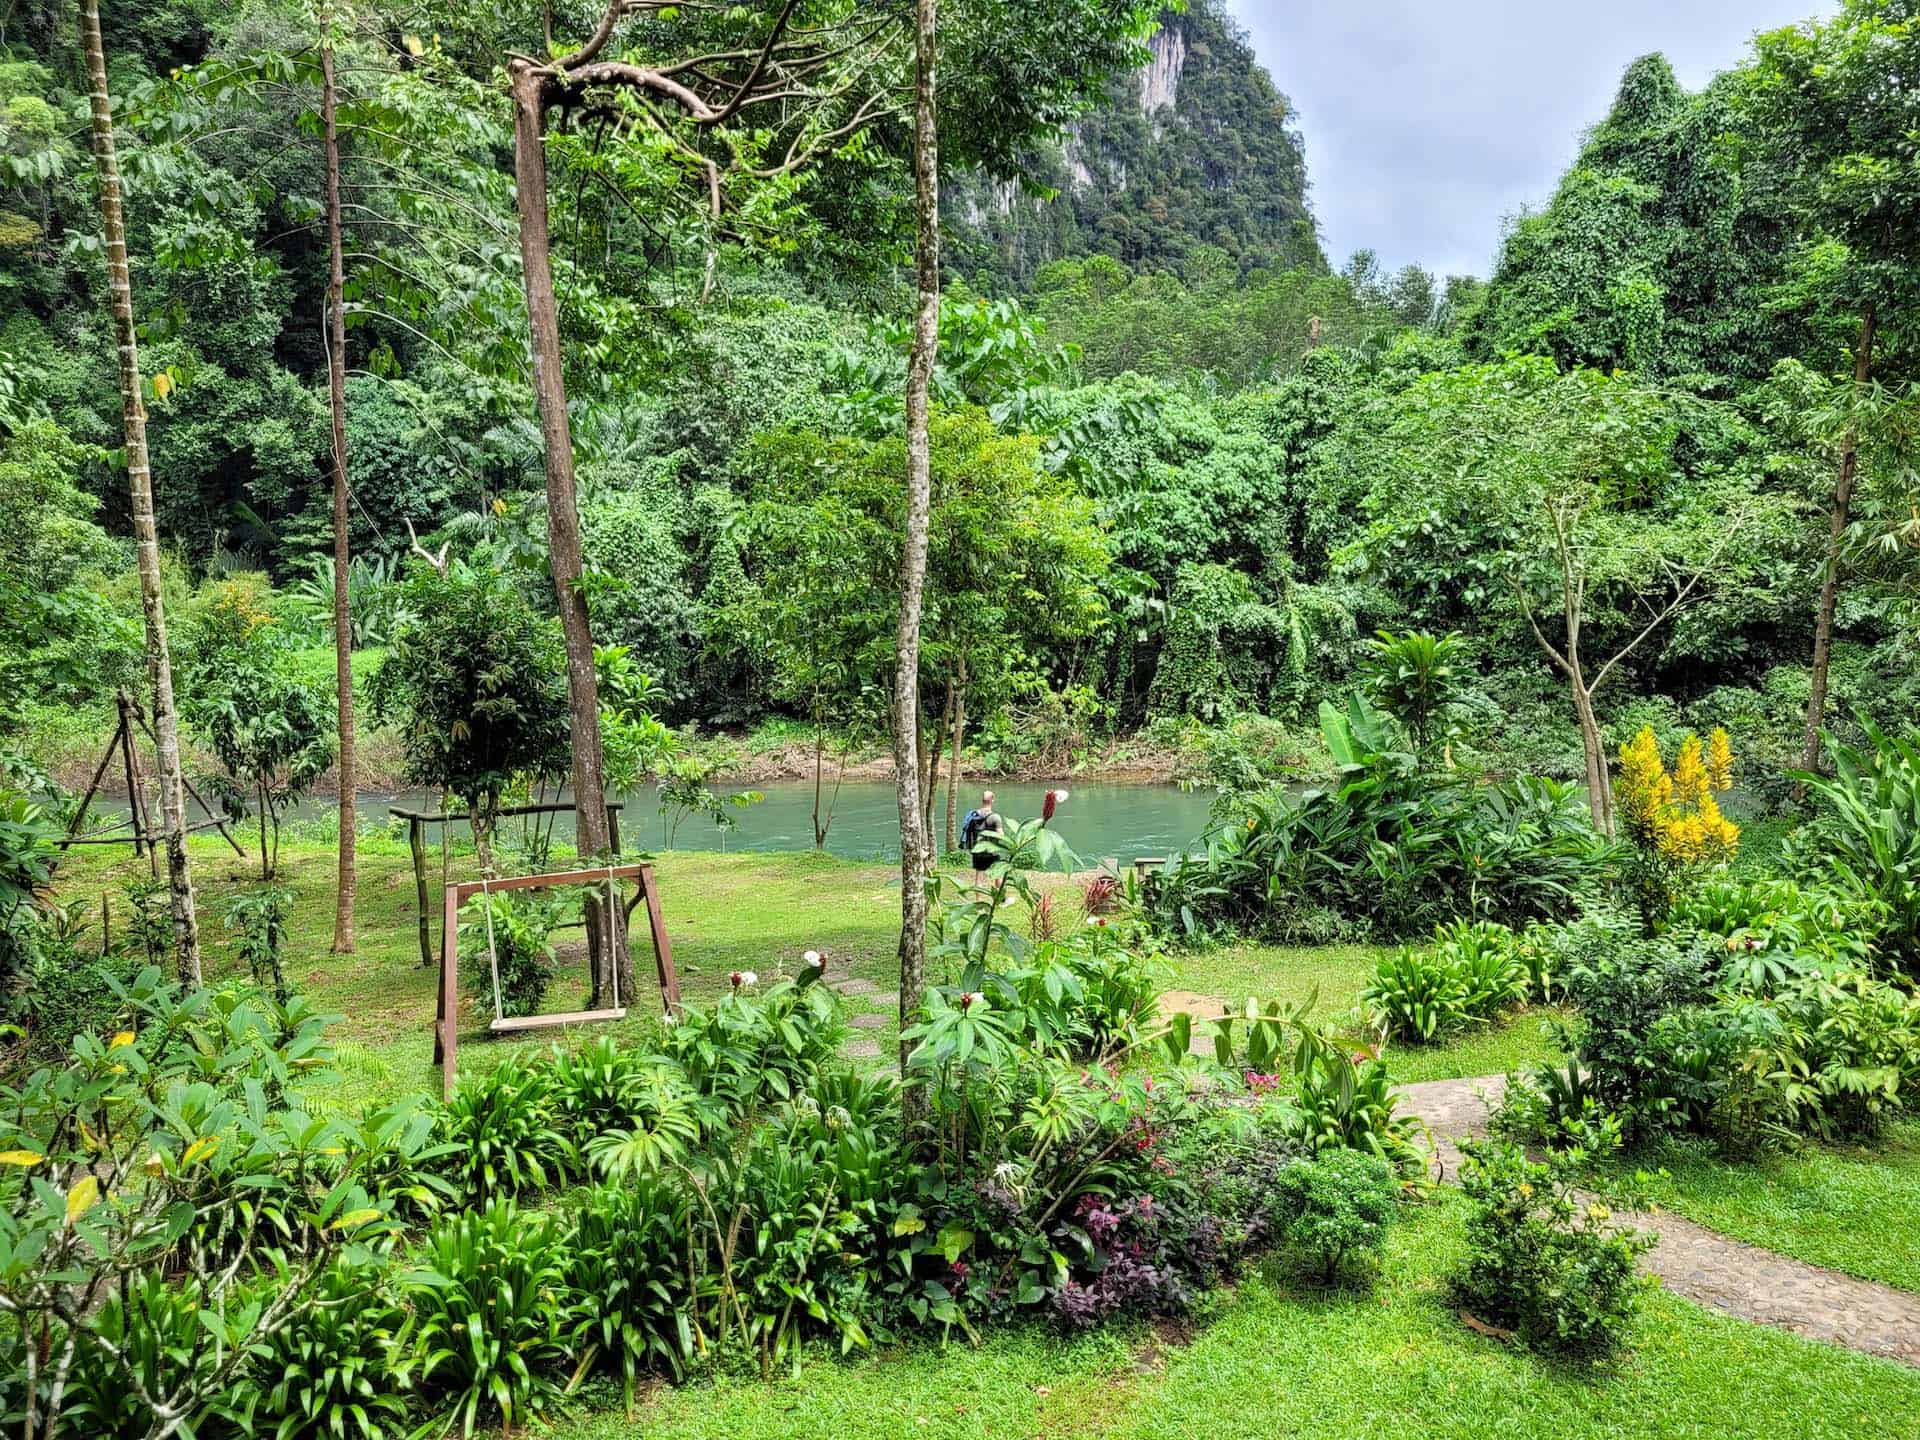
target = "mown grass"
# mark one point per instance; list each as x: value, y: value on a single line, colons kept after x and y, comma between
x: 1854, y: 1208
x: 1277, y: 1359
x: 724, y: 912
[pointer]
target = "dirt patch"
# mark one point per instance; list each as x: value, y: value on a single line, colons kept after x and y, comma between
x: 1170, y: 1332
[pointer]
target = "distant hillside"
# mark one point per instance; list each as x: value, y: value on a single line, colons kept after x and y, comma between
x: 1196, y: 151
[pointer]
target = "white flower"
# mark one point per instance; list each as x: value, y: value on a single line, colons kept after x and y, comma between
x: 1006, y: 897
x: 749, y: 977
x: 669, y: 1018
x: 1060, y: 797
x: 812, y: 957
x: 971, y: 999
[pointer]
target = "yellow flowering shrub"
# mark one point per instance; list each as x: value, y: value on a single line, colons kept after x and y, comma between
x: 1670, y: 817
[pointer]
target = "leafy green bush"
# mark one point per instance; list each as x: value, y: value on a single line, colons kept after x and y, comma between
x: 628, y: 1276
x: 168, y: 1208
x: 1625, y: 988
x: 500, y: 1134
x: 1334, y: 1207
x: 1866, y: 839
x: 1795, y: 924
x: 1471, y: 971
x: 519, y: 929
x: 1416, y: 994
x: 491, y: 1297
x: 1389, y: 847
x: 756, y: 1044
x: 343, y: 1370
x: 1543, y: 1262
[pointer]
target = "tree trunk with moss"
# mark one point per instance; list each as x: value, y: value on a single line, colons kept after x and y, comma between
x: 915, y: 862
x: 347, y: 875
x: 166, y: 724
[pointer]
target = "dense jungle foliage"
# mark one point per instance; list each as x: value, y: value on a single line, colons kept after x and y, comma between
x: 1237, y: 462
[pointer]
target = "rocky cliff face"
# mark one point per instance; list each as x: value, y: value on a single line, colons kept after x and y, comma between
x: 1194, y: 155
x: 1160, y: 77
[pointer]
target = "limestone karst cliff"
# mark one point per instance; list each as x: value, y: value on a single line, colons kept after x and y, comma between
x: 1195, y: 153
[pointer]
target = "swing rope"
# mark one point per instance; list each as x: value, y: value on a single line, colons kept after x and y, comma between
x: 493, y: 953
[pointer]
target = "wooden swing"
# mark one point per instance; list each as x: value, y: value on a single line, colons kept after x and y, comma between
x: 446, y: 1021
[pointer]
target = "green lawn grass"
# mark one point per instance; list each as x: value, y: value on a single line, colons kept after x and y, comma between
x: 1849, y: 1207
x: 1276, y: 1359
x: 737, y: 911
x: 1332, y: 976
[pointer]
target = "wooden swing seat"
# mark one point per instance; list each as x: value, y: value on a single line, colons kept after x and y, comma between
x: 446, y: 1030
x: 507, y: 1023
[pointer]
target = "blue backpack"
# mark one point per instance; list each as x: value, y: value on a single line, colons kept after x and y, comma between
x: 970, y: 829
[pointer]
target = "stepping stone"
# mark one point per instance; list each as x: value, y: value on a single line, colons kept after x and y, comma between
x: 856, y: 985
x: 861, y: 1047
x: 890, y: 1000
x: 869, y: 1021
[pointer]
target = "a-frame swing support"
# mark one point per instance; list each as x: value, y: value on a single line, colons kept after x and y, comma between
x: 446, y: 1025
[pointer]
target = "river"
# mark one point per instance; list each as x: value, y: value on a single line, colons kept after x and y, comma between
x: 1100, y: 822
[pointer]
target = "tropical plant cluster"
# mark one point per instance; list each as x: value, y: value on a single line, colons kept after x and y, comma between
x: 187, y: 1236
x: 1394, y: 845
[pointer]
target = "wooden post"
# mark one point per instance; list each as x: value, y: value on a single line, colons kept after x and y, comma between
x: 662, y: 947
x: 417, y: 843
x: 136, y: 802
x: 449, y: 994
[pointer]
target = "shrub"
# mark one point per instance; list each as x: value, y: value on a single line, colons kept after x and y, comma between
x: 628, y: 1277
x: 1809, y: 922
x: 756, y: 1044
x: 1672, y: 824
x: 167, y: 1210
x: 519, y: 929
x: 1416, y: 995
x: 491, y: 1300
x: 1624, y: 989
x: 1541, y: 1261
x: 1390, y: 848
x: 344, y: 1369
x: 1471, y: 971
x: 1335, y: 1206
x: 1866, y: 839
x: 499, y: 1132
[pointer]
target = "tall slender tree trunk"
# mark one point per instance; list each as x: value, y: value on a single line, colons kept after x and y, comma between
x: 914, y: 858
x: 1593, y: 744
x: 529, y: 87
x: 1838, y: 519
x: 166, y: 725
x: 930, y: 764
x: 953, y: 761
x: 348, y: 878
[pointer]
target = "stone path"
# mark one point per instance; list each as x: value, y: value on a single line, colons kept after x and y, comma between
x: 1707, y: 1267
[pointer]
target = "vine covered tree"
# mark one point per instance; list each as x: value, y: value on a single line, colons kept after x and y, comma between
x: 1842, y: 98
x: 133, y: 412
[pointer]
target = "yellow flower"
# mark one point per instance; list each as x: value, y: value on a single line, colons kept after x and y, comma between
x: 1689, y: 773
x: 1719, y: 760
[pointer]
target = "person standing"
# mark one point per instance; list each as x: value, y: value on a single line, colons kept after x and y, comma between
x: 980, y: 822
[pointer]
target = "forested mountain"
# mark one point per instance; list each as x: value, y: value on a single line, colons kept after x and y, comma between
x: 1223, y: 462
x: 1195, y: 155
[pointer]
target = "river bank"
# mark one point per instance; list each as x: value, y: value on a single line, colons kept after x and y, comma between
x: 743, y: 758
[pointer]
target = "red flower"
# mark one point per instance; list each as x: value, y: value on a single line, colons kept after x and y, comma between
x: 1047, y: 805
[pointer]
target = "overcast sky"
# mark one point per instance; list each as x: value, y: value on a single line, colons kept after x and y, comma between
x: 1428, y: 123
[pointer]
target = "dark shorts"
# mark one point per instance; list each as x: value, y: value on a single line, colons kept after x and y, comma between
x: 983, y: 859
